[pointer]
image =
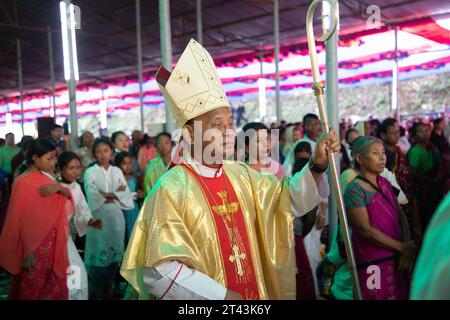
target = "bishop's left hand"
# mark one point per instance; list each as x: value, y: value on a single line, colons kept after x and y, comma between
x: 326, y: 142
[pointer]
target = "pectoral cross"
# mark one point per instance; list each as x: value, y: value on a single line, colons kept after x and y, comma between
x: 237, y: 257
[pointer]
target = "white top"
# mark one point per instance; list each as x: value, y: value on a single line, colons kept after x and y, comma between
x: 390, y: 176
x: 404, y: 144
x: 174, y: 280
x: 97, y: 178
x: 82, y: 214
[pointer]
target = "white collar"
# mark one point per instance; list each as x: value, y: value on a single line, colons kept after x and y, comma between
x: 105, y: 171
x: 201, y: 169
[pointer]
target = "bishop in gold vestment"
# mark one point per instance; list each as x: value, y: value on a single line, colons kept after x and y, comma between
x: 206, y: 230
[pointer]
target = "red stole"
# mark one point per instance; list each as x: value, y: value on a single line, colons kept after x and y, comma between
x: 230, y: 224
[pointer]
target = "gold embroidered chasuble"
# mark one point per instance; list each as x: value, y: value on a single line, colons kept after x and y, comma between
x: 176, y: 224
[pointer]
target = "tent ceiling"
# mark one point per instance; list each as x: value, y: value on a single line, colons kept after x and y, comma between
x: 107, y: 39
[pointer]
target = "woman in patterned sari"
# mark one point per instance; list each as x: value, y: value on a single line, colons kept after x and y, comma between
x: 380, y: 235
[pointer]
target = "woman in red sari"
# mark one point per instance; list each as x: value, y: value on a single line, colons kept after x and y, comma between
x: 33, y: 243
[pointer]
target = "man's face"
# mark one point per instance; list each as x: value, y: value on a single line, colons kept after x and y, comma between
x: 9, y: 139
x: 423, y: 134
x: 217, y: 136
x: 392, y: 135
x: 164, y: 145
x: 58, y: 133
x: 313, y: 128
x: 137, y: 135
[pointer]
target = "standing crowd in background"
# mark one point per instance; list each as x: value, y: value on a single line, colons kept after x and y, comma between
x: 66, y: 217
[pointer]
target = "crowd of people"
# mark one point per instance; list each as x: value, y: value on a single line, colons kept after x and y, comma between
x: 148, y: 217
x: 391, y: 189
x: 93, y: 193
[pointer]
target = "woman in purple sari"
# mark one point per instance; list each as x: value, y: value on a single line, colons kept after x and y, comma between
x: 380, y: 235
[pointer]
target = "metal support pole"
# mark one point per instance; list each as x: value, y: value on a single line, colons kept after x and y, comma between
x: 395, y: 102
x: 332, y: 112
x: 72, y: 88
x: 276, y: 30
x: 19, y: 69
x: 139, y: 60
x: 262, y: 91
x: 52, y: 70
x: 166, y: 52
x: 199, y: 22
x: 261, y: 67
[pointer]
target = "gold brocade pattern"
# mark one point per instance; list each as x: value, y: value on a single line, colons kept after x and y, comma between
x: 175, y: 224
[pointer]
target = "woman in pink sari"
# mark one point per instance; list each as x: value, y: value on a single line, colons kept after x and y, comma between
x: 380, y: 235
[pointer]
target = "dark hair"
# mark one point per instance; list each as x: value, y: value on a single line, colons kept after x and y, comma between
x: 402, y: 131
x: 299, y: 164
x: 256, y: 126
x: 189, y: 123
x: 282, y: 131
x: 347, y: 134
x: 303, y: 146
x: 120, y: 157
x: 308, y: 117
x: 388, y: 122
x: 375, y: 123
x: 414, y: 128
x: 24, y: 142
x: 64, y: 159
x: 38, y: 147
x: 145, y: 139
x: 102, y: 140
x: 115, y: 135
x: 437, y: 121
x: 9, y: 134
x: 163, y: 134
x: 57, y: 126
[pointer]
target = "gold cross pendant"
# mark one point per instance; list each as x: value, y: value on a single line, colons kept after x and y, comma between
x: 237, y: 257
